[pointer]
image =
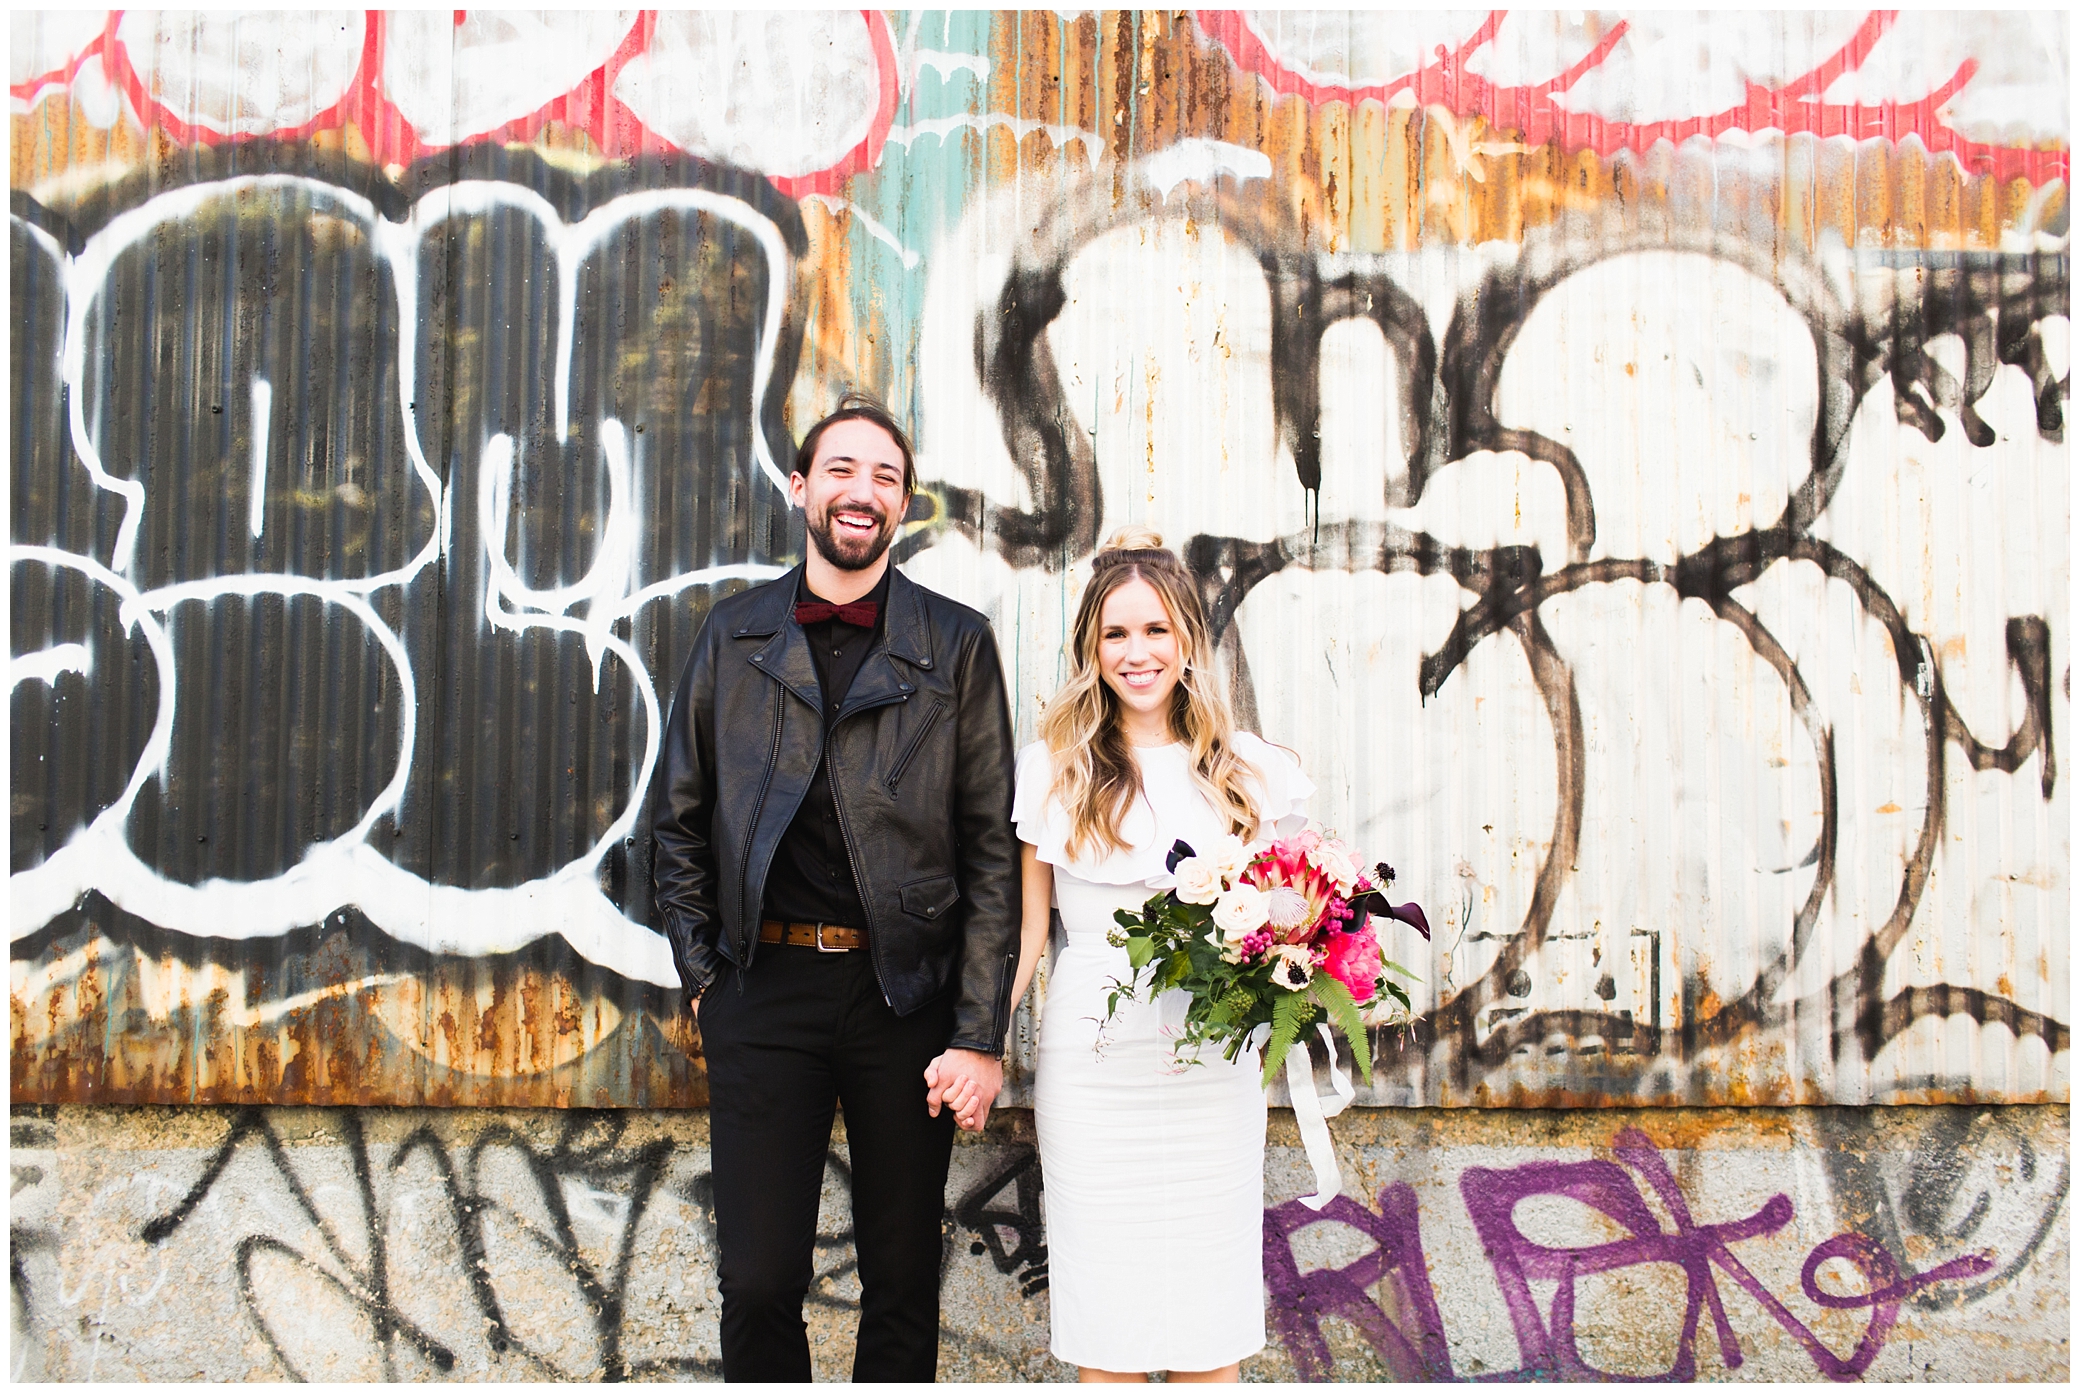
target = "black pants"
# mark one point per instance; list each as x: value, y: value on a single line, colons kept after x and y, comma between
x: 807, y: 1031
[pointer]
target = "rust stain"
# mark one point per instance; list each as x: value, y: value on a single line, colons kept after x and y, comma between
x: 1364, y: 178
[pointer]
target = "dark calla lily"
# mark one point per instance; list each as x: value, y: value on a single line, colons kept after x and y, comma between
x: 1373, y: 902
x: 1410, y: 914
x: 1181, y: 850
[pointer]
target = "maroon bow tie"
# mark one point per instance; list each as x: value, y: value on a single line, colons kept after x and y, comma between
x: 859, y: 614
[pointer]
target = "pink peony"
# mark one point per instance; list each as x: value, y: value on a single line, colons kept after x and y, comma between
x: 1354, y: 960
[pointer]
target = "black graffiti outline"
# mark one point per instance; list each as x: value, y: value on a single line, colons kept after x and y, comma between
x: 569, y: 196
x: 1026, y: 1254
x: 1919, y: 1204
x: 588, y: 1146
x: 1995, y: 302
x: 366, y: 1286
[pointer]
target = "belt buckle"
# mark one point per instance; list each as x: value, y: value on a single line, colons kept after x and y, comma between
x: 819, y: 941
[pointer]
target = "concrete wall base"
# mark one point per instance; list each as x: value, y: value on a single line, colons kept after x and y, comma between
x: 361, y: 1244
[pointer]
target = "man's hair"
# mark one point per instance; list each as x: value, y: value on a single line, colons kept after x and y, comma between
x: 859, y: 406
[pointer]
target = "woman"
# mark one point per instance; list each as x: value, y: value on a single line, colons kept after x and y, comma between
x: 1154, y: 1166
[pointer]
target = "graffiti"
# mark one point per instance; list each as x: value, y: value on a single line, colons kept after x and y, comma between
x: 1026, y: 1253
x: 29, y: 1147
x: 1418, y: 1348
x: 1942, y: 1194
x: 584, y: 1159
x: 420, y: 82
x: 337, y: 527
x: 1626, y: 83
x: 1454, y: 389
x: 1492, y: 1196
x: 406, y: 598
x: 377, y: 459
x: 430, y: 1250
x: 1300, y: 1303
x: 357, y: 1243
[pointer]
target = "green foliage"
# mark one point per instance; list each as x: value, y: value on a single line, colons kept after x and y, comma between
x: 1290, y: 1013
x: 1169, y: 946
x: 1336, y: 999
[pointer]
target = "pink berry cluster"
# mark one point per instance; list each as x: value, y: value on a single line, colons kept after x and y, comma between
x: 1256, y: 943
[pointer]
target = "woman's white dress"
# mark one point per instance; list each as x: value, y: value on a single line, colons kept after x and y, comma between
x: 1152, y: 1173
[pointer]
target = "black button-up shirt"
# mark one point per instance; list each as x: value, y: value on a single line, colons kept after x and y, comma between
x: 811, y: 880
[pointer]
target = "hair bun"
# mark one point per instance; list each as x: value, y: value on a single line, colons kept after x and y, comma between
x: 1134, y: 545
x: 1134, y: 537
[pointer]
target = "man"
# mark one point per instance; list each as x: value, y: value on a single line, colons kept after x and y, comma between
x: 837, y: 874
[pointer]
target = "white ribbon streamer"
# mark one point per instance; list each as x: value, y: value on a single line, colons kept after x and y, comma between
x: 1313, y: 1111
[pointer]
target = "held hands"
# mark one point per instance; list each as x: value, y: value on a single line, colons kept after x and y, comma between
x: 966, y: 1081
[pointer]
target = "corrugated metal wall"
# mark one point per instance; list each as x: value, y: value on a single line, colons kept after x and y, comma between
x: 1624, y: 455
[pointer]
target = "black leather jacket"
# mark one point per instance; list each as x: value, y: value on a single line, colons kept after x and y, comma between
x: 921, y: 771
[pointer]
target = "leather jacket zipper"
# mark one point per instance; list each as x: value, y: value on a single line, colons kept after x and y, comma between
x: 866, y: 901
x: 758, y: 806
x: 1004, y: 1001
x: 931, y: 718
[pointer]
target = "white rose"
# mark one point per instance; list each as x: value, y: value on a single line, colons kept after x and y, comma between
x: 1241, y: 911
x: 1198, y: 880
x: 1229, y: 856
x: 1294, y: 968
x: 1333, y: 860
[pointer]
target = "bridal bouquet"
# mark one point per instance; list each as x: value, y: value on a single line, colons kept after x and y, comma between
x: 1270, y: 937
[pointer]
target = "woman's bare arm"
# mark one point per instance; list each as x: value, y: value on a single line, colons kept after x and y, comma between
x: 1037, y: 881
x: 1036, y: 894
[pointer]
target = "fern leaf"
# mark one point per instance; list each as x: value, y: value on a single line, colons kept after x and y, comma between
x: 1289, y: 1012
x: 1336, y: 1000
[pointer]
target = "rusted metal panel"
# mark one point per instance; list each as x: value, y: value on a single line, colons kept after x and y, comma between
x: 1623, y: 454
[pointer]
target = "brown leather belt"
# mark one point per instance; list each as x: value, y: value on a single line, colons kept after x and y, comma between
x: 824, y: 938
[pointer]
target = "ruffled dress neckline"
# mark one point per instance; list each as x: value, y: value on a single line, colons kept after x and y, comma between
x: 1171, y: 809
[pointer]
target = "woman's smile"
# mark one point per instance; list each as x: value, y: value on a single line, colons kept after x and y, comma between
x: 1140, y: 659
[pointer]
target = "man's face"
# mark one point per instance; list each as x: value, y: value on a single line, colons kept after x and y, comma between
x: 853, y: 494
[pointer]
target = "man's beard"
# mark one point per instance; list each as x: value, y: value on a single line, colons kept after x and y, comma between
x: 844, y: 552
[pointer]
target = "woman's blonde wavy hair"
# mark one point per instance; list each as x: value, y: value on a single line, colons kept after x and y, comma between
x: 1095, y: 776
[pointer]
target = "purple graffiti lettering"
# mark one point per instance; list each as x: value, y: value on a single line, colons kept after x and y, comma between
x: 1298, y: 1302
x: 1414, y: 1346
x: 1548, y: 1346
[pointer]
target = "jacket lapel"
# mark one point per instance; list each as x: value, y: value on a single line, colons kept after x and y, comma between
x: 877, y: 683
x: 785, y: 656
x: 905, y: 636
x: 907, y: 633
